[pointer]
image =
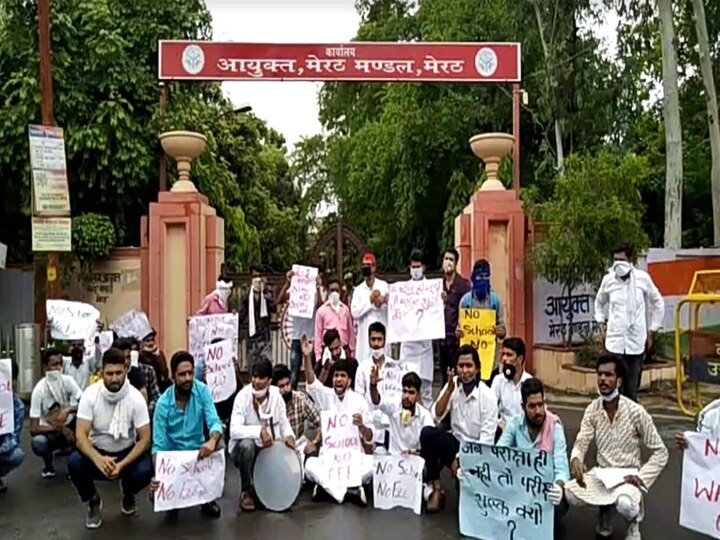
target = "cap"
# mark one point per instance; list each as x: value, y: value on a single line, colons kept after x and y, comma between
x: 369, y: 259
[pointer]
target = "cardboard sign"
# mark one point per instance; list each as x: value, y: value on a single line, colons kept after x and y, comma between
x: 71, y: 320
x: 220, y: 377
x: 341, y: 452
x: 416, y: 311
x: 478, y: 327
x: 700, y: 486
x: 301, y: 301
x: 397, y: 481
x: 185, y: 481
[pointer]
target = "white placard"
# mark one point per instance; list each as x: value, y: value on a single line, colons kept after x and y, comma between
x: 301, y: 301
x: 397, y: 482
x: 341, y: 453
x: 186, y: 481
x: 203, y: 329
x: 71, y: 320
x: 106, y: 340
x: 7, y: 407
x: 132, y: 324
x: 220, y: 376
x: 416, y: 311
x: 701, y: 484
x: 390, y: 385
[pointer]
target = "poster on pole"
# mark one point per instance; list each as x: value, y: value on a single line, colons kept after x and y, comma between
x: 416, y: 311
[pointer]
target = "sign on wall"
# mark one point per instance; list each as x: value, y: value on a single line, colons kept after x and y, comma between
x: 552, y: 308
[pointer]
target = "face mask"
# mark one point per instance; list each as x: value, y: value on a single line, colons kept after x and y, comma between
x: 449, y: 267
x: 509, y: 371
x: 470, y: 385
x: 134, y: 356
x: 611, y: 396
x: 224, y: 294
x: 366, y: 271
x: 259, y: 394
x: 53, y: 376
x: 622, y: 269
x: 416, y: 273
x: 257, y: 283
x: 405, y: 417
x: 334, y: 298
x: 377, y: 353
x: 77, y: 355
x: 481, y: 288
x: 287, y: 397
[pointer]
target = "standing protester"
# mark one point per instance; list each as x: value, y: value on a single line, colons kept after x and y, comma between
x: 333, y: 314
x: 152, y: 356
x: 629, y: 309
x: 11, y: 455
x: 256, y: 307
x: 78, y: 365
x: 454, y: 288
x: 369, y: 304
x: 216, y: 302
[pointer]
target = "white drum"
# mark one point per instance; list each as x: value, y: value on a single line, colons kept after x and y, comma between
x: 277, y: 477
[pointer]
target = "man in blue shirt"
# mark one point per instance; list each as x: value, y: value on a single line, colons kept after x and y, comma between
x: 181, y: 416
x: 11, y: 455
x: 539, y: 429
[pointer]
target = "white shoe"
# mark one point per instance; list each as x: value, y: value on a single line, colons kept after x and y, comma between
x: 604, y: 525
x: 633, y: 531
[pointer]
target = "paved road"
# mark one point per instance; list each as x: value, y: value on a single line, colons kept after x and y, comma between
x: 34, y: 508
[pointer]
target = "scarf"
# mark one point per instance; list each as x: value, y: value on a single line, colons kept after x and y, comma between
x: 327, y: 356
x: 251, y: 309
x: 56, y: 389
x: 120, y: 421
x: 545, y: 442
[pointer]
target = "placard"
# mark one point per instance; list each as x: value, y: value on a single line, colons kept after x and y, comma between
x: 478, y: 328
x: 7, y: 407
x: 220, y: 376
x: 133, y: 324
x: 390, y: 385
x: 416, y: 311
x: 71, y: 320
x: 203, y: 329
x: 303, y: 285
x: 397, y: 482
x: 503, y: 493
x: 341, y: 453
x: 186, y: 481
x: 51, y: 234
x: 700, y: 485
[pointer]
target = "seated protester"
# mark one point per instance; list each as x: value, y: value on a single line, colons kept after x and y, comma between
x: 339, y: 398
x: 113, y: 439
x: 302, y: 413
x: 539, y: 429
x: 507, y: 386
x: 258, y: 419
x: 378, y: 360
x: 619, y: 427
x: 181, y: 414
x: 79, y: 365
x: 151, y: 355
x: 135, y: 374
x: 474, y: 416
x: 52, y: 411
x: 11, y: 455
x: 333, y: 351
x: 407, y: 422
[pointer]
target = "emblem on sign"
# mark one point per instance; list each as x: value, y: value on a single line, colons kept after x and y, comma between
x: 193, y: 59
x: 486, y: 62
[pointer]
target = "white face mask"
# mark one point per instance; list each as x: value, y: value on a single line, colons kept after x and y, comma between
x: 377, y: 353
x: 448, y: 266
x: 259, y: 394
x: 53, y: 376
x: 134, y: 357
x: 622, y: 268
x: 224, y: 294
x: 611, y: 396
x: 416, y: 273
x: 257, y: 283
x: 334, y: 298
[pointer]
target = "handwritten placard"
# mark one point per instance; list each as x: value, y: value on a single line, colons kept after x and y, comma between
x: 341, y: 449
x: 390, y: 385
x: 220, y: 377
x: 478, y: 328
x: 700, y: 485
x: 7, y: 409
x: 415, y: 311
x: 203, y: 329
x: 71, y: 320
x: 132, y: 324
x: 503, y: 493
x: 301, y: 302
x: 186, y: 481
x: 397, y: 481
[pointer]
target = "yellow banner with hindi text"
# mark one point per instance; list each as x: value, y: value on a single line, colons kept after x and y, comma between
x: 478, y: 330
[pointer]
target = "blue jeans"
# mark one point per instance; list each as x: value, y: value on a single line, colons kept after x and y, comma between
x: 134, y: 477
x: 296, y: 361
x: 10, y: 461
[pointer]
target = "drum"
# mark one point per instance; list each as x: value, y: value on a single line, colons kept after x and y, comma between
x: 277, y: 477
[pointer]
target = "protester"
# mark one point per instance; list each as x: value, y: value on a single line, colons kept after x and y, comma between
x: 630, y: 310
x: 333, y: 314
x: 619, y: 427
x: 256, y: 307
x: 182, y: 414
x: 708, y: 422
x: 11, y: 455
x: 152, y: 356
x: 369, y: 304
x: 79, y: 366
x: 113, y: 439
x: 507, y: 388
x: 53, y: 405
x: 135, y: 374
x: 347, y: 288
x: 216, y: 302
x: 333, y: 351
x: 454, y: 288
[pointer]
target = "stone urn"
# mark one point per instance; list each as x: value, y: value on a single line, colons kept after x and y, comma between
x: 183, y: 147
x: 492, y: 148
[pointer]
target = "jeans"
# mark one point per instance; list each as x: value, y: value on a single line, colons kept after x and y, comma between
x: 10, y: 461
x: 46, y: 444
x: 134, y: 477
x: 244, y: 456
x: 438, y: 448
x: 633, y: 375
x: 296, y: 361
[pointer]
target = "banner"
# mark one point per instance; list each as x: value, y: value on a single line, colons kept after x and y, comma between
x: 7, y: 407
x: 503, y: 493
x: 416, y: 311
x: 341, y: 451
x: 397, y: 482
x: 132, y: 324
x: 220, y: 366
x: 700, y: 486
x: 301, y: 302
x: 186, y: 481
x: 203, y: 329
x: 71, y: 320
x: 478, y: 328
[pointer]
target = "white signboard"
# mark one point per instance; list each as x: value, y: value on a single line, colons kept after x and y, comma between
x: 699, y: 487
x: 71, y: 320
x: 106, y: 340
x: 220, y: 366
x: 7, y: 409
x: 416, y: 311
x: 390, y: 385
x: 301, y: 302
x: 186, y: 481
x: 203, y: 329
x: 397, y: 481
x: 341, y: 449
x: 132, y: 324
x: 552, y: 308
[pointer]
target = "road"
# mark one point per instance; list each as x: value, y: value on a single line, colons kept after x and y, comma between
x: 36, y: 508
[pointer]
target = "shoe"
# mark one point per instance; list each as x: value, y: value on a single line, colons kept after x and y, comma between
x: 435, y: 502
x: 247, y: 502
x: 356, y: 496
x: 48, y: 472
x: 94, y: 515
x: 128, y: 506
x: 604, y: 525
x: 210, y: 509
x: 3, y: 486
x: 633, y: 531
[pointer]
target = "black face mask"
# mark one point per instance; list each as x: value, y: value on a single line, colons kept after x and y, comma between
x: 287, y: 397
x: 366, y: 271
x: 509, y: 371
x: 76, y: 355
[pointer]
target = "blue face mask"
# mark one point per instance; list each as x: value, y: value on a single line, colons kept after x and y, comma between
x: 470, y: 385
x: 481, y: 288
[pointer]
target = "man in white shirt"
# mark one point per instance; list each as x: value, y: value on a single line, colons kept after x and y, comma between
x: 81, y: 365
x: 474, y: 417
x: 507, y: 386
x: 629, y: 309
x: 113, y: 439
x: 259, y: 418
x: 420, y: 353
x: 52, y: 411
x: 369, y: 304
x: 341, y: 398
